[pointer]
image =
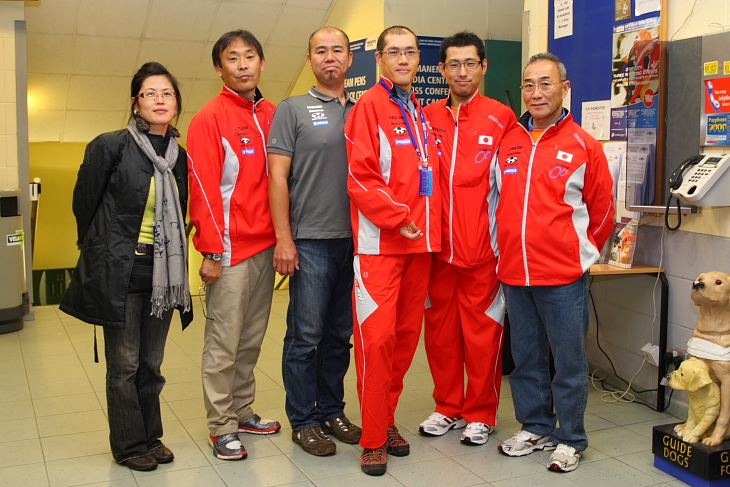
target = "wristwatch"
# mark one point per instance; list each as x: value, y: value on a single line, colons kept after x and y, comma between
x: 215, y: 257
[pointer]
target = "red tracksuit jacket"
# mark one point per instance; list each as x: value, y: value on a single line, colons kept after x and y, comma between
x: 229, y: 184
x: 467, y: 144
x: 383, y: 182
x: 555, y: 207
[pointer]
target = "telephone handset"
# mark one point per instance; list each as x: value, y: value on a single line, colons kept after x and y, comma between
x: 700, y: 180
x: 675, y: 180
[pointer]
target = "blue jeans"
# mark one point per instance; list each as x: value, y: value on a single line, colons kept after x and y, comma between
x: 319, y: 327
x: 558, y: 316
x: 133, y: 380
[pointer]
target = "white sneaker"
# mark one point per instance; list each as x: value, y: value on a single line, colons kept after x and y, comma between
x: 564, y: 459
x: 437, y: 424
x: 524, y: 443
x: 476, y: 433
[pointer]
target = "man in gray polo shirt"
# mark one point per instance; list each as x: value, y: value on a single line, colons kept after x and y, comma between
x: 311, y: 214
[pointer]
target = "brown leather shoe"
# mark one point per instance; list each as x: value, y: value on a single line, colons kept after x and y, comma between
x: 143, y: 464
x: 342, y: 429
x: 314, y: 441
x: 162, y: 454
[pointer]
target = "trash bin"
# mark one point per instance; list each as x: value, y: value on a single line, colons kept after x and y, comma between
x: 14, y: 300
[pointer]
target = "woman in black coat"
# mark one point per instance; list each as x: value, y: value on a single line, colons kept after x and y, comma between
x: 130, y: 202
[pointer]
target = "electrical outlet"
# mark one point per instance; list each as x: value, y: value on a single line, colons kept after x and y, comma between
x: 651, y: 352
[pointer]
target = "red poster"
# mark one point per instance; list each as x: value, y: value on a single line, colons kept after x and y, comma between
x: 717, y: 95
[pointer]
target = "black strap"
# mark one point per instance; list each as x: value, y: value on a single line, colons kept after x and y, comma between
x: 96, y: 349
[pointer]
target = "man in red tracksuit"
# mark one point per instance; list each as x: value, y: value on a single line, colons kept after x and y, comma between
x: 396, y: 226
x: 464, y: 322
x: 555, y: 212
x: 229, y: 206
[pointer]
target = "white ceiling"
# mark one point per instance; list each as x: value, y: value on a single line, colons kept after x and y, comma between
x: 82, y: 55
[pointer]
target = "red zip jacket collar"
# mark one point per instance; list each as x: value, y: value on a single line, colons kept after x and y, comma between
x: 238, y: 99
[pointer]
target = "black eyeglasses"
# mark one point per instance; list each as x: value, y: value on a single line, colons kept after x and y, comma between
x: 470, y: 65
x: 152, y: 95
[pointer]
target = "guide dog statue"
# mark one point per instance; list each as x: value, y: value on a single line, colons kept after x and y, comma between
x: 693, y: 376
x: 710, y: 341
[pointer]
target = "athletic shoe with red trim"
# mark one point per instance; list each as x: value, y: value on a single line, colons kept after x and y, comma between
x: 374, y: 461
x: 397, y: 445
x: 227, y: 447
x: 437, y: 424
x: 564, y: 459
x: 524, y: 443
x: 257, y: 426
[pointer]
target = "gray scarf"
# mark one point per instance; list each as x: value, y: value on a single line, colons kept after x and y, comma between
x: 170, y: 286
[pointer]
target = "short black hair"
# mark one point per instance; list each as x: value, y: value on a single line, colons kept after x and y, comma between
x: 397, y: 30
x: 462, y: 39
x: 229, y: 37
x: 154, y: 69
x: 330, y: 29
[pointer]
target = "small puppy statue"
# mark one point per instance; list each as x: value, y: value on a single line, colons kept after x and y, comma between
x: 693, y: 376
x: 710, y: 341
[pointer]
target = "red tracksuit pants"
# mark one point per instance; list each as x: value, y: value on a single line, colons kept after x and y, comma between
x: 465, y: 327
x: 388, y: 296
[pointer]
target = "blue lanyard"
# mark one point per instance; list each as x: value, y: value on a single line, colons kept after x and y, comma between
x: 406, y: 119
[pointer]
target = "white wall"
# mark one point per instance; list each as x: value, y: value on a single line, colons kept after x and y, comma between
x: 9, y: 13
x: 489, y: 19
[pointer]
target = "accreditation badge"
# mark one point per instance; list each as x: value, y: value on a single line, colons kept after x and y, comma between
x: 426, y: 178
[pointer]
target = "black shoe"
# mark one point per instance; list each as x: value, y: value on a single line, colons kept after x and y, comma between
x: 162, y: 454
x: 143, y: 464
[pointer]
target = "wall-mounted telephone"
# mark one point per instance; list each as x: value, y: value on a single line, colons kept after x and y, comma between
x: 697, y: 181
x: 701, y: 180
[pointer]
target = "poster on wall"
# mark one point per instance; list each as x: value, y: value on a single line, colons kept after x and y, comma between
x: 647, y: 6
x: 715, y: 126
x: 635, y: 77
x: 428, y: 84
x: 563, y: 18
x: 623, y: 10
x: 363, y: 74
x: 596, y: 119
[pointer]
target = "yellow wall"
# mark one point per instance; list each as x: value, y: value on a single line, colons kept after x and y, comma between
x: 57, y: 164
x: 359, y: 18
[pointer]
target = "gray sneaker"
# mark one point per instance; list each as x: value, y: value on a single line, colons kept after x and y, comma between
x: 564, y: 459
x: 314, y: 441
x: 257, y: 426
x: 524, y: 443
x: 227, y: 447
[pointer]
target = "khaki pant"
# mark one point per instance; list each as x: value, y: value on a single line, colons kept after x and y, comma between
x: 238, y: 314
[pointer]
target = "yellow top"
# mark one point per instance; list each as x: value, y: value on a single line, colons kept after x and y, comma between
x: 147, y: 230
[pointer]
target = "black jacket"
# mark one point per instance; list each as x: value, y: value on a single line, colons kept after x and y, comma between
x: 109, y: 203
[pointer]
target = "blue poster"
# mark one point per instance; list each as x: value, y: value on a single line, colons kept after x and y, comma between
x: 429, y: 85
x: 363, y: 74
x: 717, y: 129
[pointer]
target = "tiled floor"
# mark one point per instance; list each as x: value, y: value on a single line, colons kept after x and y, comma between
x: 53, y: 426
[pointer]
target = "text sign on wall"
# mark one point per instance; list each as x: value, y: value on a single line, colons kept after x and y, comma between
x: 428, y: 84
